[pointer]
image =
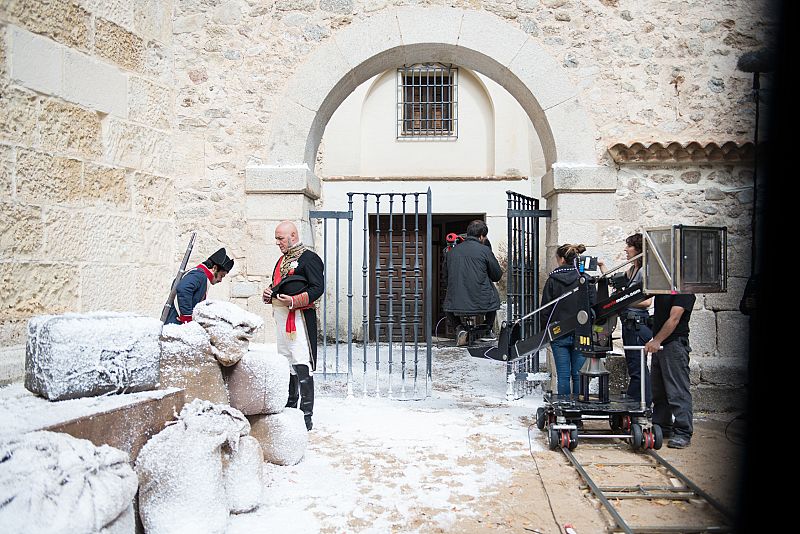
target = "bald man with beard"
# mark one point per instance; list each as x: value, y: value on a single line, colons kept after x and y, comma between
x: 296, y: 333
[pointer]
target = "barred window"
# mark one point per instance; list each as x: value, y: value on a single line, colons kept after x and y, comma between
x: 427, y: 101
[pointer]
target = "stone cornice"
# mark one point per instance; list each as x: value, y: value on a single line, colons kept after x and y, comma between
x: 692, y: 152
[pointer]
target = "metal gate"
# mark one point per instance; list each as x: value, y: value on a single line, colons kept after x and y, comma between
x: 522, y: 285
x: 395, y: 302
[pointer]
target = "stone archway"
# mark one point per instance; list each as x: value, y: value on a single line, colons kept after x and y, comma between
x: 473, y: 39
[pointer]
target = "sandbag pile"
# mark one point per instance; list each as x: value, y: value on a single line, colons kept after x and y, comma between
x: 197, y: 471
x: 87, y: 354
x: 192, y: 354
x: 258, y: 388
x: 54, y: 483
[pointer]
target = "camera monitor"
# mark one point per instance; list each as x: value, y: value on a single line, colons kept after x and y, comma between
x: 685, y: 259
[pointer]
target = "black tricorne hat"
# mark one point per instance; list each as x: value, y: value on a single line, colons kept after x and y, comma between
x: 291, y: 285
x: 221, y: 260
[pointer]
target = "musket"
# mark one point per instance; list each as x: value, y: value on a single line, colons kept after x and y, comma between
x: 173, y: 290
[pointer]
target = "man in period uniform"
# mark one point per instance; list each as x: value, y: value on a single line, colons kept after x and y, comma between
x: 297, y: 282
x: 193, y: 287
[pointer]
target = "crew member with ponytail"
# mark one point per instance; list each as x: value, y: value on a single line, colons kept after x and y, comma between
x: 564, y: 278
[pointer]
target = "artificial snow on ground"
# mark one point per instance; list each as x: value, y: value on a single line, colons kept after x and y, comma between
x: 378, y: 464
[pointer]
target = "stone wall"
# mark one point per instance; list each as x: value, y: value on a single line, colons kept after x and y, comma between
x: 87, y: 180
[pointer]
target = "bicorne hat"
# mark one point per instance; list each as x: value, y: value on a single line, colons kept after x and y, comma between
x: 221, y: 260
x: 291, y: 285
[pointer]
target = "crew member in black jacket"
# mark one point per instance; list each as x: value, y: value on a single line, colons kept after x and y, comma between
x: 297, y: 334
x: 469, y: 271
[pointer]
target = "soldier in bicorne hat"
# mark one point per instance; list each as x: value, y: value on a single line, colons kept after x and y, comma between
x: 193, y: 287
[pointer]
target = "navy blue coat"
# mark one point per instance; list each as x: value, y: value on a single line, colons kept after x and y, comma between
x: 192, y: 290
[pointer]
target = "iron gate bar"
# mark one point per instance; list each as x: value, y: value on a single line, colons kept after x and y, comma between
x: 377, y: 264
x: 403, y: 317
x: 364, y: 308
x: 428, y: 290
x: 349, y: 295
x: 337, y: 215
x: 390, y: 316
x: 417, y: 274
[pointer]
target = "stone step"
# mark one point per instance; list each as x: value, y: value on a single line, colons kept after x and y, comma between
x: 123, y: 421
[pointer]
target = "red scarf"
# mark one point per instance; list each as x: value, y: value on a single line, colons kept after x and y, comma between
x: 299, y: 302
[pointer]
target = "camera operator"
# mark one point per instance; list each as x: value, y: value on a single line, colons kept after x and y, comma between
x: 636, y: 321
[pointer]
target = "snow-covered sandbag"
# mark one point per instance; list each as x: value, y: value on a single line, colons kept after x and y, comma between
x: 258, y: 384
x: 188, y: 363
x: 54, y: 483
x: 181, y: 477
x: 229, y: 326
x: 283, y: 436
x: 83, y: 355
x: 243, y: 478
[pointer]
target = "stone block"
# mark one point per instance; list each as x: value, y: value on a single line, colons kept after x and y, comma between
x: 702, y: 333
x: 37, y: 62
x: 12, y: 333
x: 154, y: 196
x: 573, y: 132
x: 723, y: 371
x: 106, y: 287
x: 28, y: 289
x: 732, y: 334
x: 151, y: 288
x: 153, y: 19
x: 729, y: 300
x: 278, y: 206
x: 566, y: 231
x: 157, y: 242
x: 189, y: 23
x: 65, y: 22
x: 342, y: 7
x: 361, y: 42
x: 288, y: 139
x: 532, y: 64
x: 19, y: 116
x: 490, y: 36
x: 83, y: 236
x: 569, y: 179
x: 3, y: 61
x: 149, y: 104
x: 158, y: 63
x: 189, y: 161
x: 244, y: 290
x: 582, y: 206
x: 415, y: 25
x: 117, y: 11
x: 84, y: 355
x: 21, y: 230
x: 323, y: 71
x: 716, y: 399
x: 95, y: 84
x: 65, y: 127
x: 282, y: 179
x: 118, y: 45
x: 130, y: 145
x: 8, y: 158
x: 106, y: 185
x: 46, y: 179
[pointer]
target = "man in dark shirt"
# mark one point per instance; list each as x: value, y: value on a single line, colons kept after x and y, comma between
x: 670, y: 370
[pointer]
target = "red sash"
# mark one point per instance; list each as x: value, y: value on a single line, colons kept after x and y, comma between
x: 291, y: 321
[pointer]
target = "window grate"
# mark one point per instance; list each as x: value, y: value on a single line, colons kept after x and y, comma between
x: 427, y: 101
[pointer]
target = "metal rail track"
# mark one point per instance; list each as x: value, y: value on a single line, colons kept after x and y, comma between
x: 689, y: 491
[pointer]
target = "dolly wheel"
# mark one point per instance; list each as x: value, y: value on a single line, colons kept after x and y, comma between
x: 573, y: 439
x: 626, y: 423
x: 658, y: 437
x: 554, y: 438
x: 637, y: 437
x: 541, y: 418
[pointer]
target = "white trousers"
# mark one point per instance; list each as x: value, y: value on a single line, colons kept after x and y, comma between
x: 297, y: 350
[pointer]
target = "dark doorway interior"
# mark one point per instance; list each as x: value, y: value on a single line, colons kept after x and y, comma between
x: 442, y: 225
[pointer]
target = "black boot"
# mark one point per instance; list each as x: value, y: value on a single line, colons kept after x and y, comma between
x: 306, y: 393
x: 294, y: 391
